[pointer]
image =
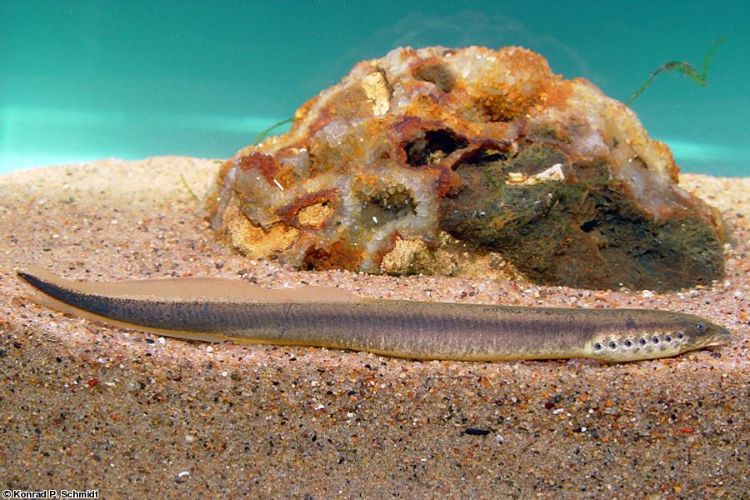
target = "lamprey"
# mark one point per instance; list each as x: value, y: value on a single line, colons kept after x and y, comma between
x: 216, y: 309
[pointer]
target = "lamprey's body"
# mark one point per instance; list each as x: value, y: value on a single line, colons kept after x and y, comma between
x: 213, y: 310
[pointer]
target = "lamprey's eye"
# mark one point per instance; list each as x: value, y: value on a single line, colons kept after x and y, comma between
x: 699, y: 326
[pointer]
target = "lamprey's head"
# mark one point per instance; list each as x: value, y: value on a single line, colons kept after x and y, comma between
x: 681, y: 333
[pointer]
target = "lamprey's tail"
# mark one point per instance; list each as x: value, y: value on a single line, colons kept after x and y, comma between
x: 130, y: 304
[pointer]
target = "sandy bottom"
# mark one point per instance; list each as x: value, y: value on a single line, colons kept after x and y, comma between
x: 84, y: 406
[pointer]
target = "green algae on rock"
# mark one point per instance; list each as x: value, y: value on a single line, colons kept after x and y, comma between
x: 486, y: 149
x: 582, y: 228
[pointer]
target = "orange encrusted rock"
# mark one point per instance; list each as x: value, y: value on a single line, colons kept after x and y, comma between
x: 426, y: 156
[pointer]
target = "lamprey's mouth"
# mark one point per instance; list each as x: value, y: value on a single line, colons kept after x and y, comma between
x: 721, y: 337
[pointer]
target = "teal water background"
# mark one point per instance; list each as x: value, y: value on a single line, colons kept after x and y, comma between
x: 81, y: 80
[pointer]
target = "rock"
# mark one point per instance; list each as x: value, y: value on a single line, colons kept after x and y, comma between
x: 421, y: 158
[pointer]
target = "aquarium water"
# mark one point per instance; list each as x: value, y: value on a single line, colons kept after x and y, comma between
x: 82, y: 80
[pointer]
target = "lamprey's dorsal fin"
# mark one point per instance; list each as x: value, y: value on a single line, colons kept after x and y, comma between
x: 174, y: 289
x: 51, y: 290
